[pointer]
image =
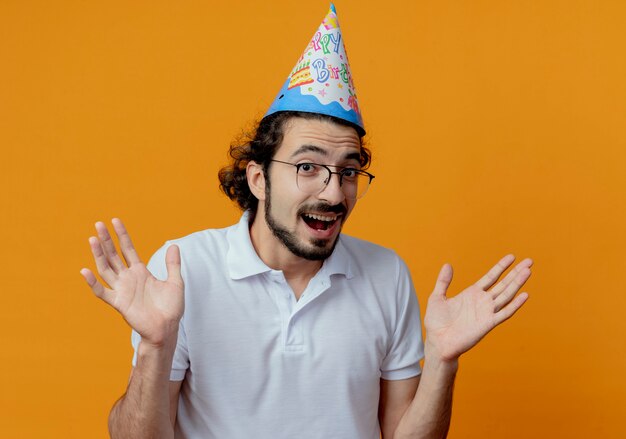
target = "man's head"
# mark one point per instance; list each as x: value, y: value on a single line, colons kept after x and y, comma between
x: 307, y: 220
x: 260, y: 146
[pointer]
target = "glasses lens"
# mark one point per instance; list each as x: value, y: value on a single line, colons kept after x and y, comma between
x: 355, y: 184
x: 312, y: 179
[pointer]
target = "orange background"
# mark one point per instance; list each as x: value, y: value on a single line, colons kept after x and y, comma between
x: 496, y: 127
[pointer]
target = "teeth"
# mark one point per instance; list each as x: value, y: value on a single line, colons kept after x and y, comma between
x: 328, y: 218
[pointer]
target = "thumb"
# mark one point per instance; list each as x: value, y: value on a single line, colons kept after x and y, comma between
x: 443, y: 281
x: 172, y: 263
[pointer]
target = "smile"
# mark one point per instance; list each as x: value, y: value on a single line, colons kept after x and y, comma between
x: 318, y: 221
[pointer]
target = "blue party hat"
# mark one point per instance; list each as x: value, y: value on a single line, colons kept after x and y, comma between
x: 321, y: 81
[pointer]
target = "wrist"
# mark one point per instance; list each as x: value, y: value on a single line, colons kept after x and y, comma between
x: 162, y: 345
x: 435, y: 356
x: 159, y: 336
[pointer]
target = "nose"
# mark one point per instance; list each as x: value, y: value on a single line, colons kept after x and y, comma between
x: 332, y: 192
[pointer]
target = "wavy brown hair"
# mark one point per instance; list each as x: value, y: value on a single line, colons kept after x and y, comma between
x: 260, y: 145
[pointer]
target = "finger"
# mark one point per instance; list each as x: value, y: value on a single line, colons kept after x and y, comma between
x: 98, y: 289
x: 500, y: 286
x: 496, y: 271
x: 102, y: 263
x: 512, y: 289
x: 172, y: 263
x: 443, y: 280
x: 109, y: 247
x: 508, y: 311
x: 126, y: 245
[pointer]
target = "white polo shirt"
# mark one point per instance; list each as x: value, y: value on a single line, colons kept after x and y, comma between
x: 256, y: 363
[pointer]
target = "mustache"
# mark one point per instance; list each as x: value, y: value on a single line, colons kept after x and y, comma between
x: 323, y: 207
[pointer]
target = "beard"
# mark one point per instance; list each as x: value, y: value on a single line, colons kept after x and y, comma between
x: 318, y: 249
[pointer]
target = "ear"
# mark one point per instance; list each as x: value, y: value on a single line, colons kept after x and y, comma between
x: 256, y: 180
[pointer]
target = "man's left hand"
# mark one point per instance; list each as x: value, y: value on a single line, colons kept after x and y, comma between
x: 456, y: 324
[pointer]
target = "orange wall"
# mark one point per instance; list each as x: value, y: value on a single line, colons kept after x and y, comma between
x: 496, y: 127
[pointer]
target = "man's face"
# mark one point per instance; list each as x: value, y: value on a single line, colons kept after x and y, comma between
x: 309, y: 224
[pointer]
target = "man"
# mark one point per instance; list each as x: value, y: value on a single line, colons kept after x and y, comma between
x: 279, y: 326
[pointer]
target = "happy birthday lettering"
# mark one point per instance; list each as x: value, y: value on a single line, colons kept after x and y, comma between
x: 325, y: 72
x: 321, y: 42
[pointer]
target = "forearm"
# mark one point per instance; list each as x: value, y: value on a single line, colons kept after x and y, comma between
x: 428, y: 415
x: 144, y: 411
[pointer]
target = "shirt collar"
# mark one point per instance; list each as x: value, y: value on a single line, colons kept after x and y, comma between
x: 243, y: 261
x: 339, y: 261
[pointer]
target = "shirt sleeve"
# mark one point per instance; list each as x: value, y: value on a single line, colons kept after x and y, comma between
x: 406, y: 348
x: 180, y: 364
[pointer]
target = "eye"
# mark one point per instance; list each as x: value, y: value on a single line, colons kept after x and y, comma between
x: 308, y: 169
x: 349, y: 173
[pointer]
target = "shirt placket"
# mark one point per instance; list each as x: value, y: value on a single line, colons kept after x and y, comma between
x: 282, y: 294
x: 290, y: 310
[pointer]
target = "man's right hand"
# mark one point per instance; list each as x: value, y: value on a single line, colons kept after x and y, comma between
x: 151, y: 307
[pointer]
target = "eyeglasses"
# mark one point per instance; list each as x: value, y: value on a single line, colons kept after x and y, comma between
x: 312, y: 178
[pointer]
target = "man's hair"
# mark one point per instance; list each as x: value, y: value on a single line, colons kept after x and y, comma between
x: 259, y: 146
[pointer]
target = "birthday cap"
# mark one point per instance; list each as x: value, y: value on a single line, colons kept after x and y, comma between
x: 321, y: 81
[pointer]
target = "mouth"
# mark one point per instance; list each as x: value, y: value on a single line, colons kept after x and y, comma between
x: 321, y: 222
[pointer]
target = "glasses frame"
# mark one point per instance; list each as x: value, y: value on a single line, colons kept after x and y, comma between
x: 340, y: 173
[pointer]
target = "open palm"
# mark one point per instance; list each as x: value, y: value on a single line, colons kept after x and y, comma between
x: 456, y: 324
x: 150, y: 306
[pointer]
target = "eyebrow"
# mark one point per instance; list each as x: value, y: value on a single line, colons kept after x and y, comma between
x: 316, y: 149
x: 309, y: 148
